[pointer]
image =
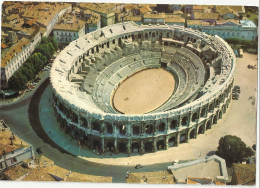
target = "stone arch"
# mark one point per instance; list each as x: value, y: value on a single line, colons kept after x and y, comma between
x: 153, y: 34
x: 136, y: 147
x: 160, y: 145
x: 149, y: 129
x: 136, y: 130
x: 139, y: 35
x: 95, y: 126
x: 172, y: 141
x: 84, y: 122
x: 215, y: 119
x: 220, y: 115
x: 184, y: 120
x: 122, y: 129
x: 84, y: 139
x: 110, y: 146
x: 146, y: 35
x: 183, y: 137
x: 193, y: 133
x: 109, y: 127
x: 122, y: 147
x: 96, y: 145
x: 201, y: 129
x: 208, y: 125
x: 174, y: 124
x: 211, y: 107
x: 194, y: 116
x: 161, y: 127
x: 148, y: 146
x: 203, y: 112
x: 165, y: 43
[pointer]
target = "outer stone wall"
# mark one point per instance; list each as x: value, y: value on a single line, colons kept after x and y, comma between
x: 81, y: 75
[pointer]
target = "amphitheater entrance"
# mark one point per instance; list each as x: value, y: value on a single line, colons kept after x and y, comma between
x: 135, y: 147
x: 110, y: 146
x: 172, y: 141
x: 96, y: 145
x: 148, y: 147
x: 122, y: 147
x: 144, y: 91
x: 160, y: 145
x: 193, y: 134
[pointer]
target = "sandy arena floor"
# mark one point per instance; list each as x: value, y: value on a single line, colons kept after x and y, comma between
x: 144, y: 91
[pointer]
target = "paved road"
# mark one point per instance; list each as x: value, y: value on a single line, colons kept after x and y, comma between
x: 17, y: 117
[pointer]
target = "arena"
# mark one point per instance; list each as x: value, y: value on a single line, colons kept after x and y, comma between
x: 193, y: 86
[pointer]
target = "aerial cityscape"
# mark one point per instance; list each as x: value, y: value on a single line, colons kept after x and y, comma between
x: 129, y: 93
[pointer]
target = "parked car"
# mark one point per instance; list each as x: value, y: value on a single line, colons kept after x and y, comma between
x: 235, y: 96
x: 138, y: 166
x: 236, y: 89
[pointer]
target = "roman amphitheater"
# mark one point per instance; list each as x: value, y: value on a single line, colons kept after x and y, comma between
x: 129, y: 88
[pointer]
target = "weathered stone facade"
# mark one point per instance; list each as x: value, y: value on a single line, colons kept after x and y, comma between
x: 87, y: 72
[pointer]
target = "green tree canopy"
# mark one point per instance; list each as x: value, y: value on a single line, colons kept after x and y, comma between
x: 232, y: 149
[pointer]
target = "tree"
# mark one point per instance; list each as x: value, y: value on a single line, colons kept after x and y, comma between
x: 232, y: 149
x: 249, y: 152
x: 18, y: 81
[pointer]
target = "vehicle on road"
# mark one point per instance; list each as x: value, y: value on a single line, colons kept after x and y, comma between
x: 138, y: 166
x: 235, y: 96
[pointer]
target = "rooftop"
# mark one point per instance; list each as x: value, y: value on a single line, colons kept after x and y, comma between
x: 158, y: 177
x: 223, y: 9
x: 133, y: 18
x: 245, y: 174
x: 6, y: 138
x: 46, y: 170
x: 174, y: 18
x: 160, y: 15
x: 204, y: 16
x: 247, y: 23
x: 197, y: 22
x: 145, y: 9
x: 70, y: 23
x: 14, y: 49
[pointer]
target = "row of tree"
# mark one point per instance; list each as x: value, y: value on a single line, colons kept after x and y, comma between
x: 245, y: 44
x: 32, y: 66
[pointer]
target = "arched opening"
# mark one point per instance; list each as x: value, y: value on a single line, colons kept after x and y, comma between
x: 122, y: 129
x: 173, y: 124
x: 84, y: 123
x: 161, y: 127
x: 193, y: 134
x: 84, y: 140
x: 135, y: 147
x: 149, y: 129
x: 96, y: 126
x: 110, y: 146
x: 133, y: 37
x: 74, y: 117
x: 184, y: 121
x: 168, y: 35
x: 125, y: 37
x: 139, y: 36
x: 165, y: 43
x: 208, y: 126
x: 160, y: 145
x: 217, y: 103
x: 67, y: 130
x: 203, y: 112
x: 136, y: 130
x: 201, y: 130
x: 119, y: 41
x: 146, y: 35
x: 92, y: 50
x: 113, y: 41
x: 220, y: 115
x: 108, y: 44
x: 153, y: 34
x: 194, y: 116
x: 96, y: 145
x: 172, y: 141
x: 215, y: 120
x: 211, y: 107
x: 122, y: 147
x: 183, y: 138
x: 109, y: 127
x: 148, y: 147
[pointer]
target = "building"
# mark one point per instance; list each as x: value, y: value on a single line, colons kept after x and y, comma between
x: 107, y: 56
x: 230, y: 12
x: 44, y: 169
x: 68, y: 29
x: 174, y: 8
x: 93, y: 21
x: 208, y: 170
x: 105, y: 10
x: 207, y: 17
x: 174, y: 19
x: 243, y: 174
x: 13, y: 150
x: 157, y: 18
x: 243, y: 29
x: 25, y: 24
x: 136, y: 19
